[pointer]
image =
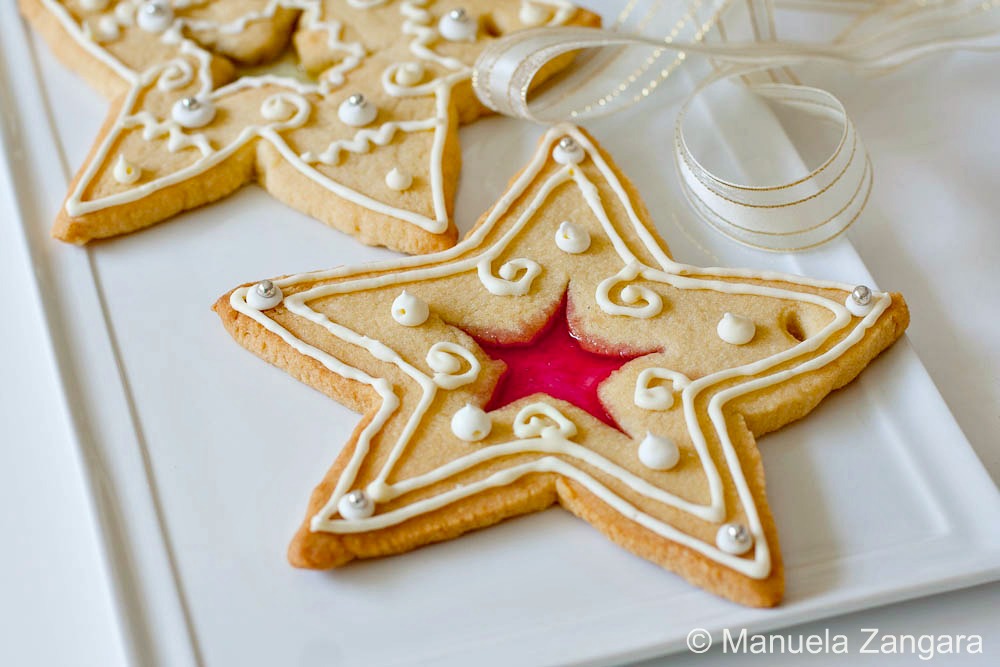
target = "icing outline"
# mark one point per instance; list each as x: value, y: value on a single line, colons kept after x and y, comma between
x: 556, y: 441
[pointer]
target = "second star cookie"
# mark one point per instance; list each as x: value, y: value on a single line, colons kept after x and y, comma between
x: 559, y: 355
x: 356, y: 126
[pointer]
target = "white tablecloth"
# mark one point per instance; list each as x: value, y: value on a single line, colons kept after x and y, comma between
x: 932, y: 230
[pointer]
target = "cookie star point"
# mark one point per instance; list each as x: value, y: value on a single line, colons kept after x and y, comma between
x: 160, y: 55
x: 704, y: 515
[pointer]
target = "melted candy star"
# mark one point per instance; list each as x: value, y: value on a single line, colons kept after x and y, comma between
x: 680, y: 483
x: 556, y: 364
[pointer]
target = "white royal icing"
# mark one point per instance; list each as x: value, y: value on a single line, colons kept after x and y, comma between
x: 357, y: 114
x: 471, y: 423
x: 107, y: 29
x: 535, y: 429
x: 125, y: 172
x: 462, y: 29
x: 409, y: 74
x: 453, y: 365
x: 727, y: 541
x: 736, y: 329
x: 278, y: 107
x: 572, y: 238
x: 637, y: 300
x: 192, y: 113
x: 418, y: 23
x: 94, y: 5
x: 658, y: 397
x: 568, y: 154
x: 541, y: 420
x: 356, y: 505
x: 858, y: 309
x: 398, y: 180
x: 410, y: 310
x: 154, y: 16
x: 658, y: 452
x: 259, y: 297
x: 532, y: 14
x: 125, y: 13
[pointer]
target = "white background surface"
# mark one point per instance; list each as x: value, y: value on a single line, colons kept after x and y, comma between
x: 931, y: 230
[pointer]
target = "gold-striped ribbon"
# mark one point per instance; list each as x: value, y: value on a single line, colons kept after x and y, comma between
x: 621, y: 65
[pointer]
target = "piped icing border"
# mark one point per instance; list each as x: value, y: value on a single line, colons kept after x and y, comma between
x: 416, y: 21
x: 550, y: 432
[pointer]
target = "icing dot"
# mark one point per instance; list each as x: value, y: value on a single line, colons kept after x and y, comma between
x: 471, y: 423
x: 356, y: 111
x: 379, y: 491
x: 409, y: 74
x: 734, y: 538
x: 264, y: 295
x: 107, y: 29
x: 532, y: 13
x: 355, y: 505
x: 155, y: 16
x: 398, y: 180
x: 191, y: 112
x: 736, y: 329
x: 410, y: 310
x: 658, y: 452
x: 277, y: 108
x: 859, y: 301
x: 125, y: 13
x: 458, y: 26
x: 568, y: 151
x: 125, y: 172
x: 572, y: 238
x: 94, y: 5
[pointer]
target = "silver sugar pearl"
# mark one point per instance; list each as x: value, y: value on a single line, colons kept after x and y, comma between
x: 190, y: 103
x: 567, y: 143
x: 458, y: 15
x: 357, y: 99
x: 738, y: 533
x: 154, y: 8
x: 357, y: 498
x: 266, y: 289
x: 862, y: 295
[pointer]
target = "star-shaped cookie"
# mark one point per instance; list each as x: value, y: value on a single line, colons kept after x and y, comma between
x: 702, y: 361
x: 362, y: 133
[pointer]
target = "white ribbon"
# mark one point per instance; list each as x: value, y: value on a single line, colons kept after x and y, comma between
x: 782, y: 217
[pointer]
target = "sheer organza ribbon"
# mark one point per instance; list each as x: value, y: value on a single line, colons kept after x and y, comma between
x: 800, y: 214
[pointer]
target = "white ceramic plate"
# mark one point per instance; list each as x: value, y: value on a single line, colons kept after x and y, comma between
x: 877, y: 495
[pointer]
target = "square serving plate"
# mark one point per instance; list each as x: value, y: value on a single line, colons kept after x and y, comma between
x: 877, y: 494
